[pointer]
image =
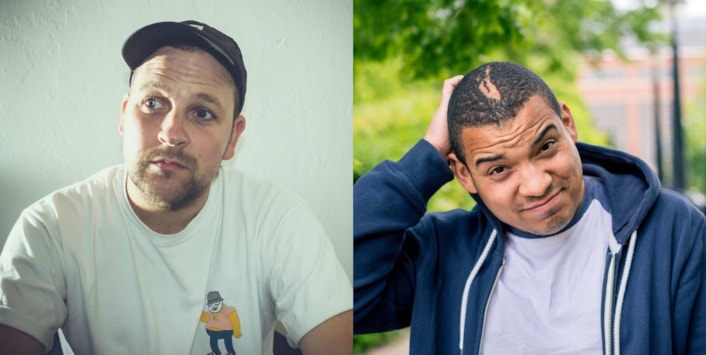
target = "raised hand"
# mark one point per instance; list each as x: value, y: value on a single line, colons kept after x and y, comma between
x: 438, y: 131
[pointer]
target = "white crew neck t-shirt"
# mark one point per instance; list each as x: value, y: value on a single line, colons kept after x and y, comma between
x: 81, y: 260
x: 548, y: 297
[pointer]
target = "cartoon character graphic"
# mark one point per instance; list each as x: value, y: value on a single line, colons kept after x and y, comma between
x: 222, y: 322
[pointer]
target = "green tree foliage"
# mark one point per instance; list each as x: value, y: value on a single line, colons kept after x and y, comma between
x: 371, y: 341
x: 392, y: 119
x: 696, y: 142
x: 437, y: 38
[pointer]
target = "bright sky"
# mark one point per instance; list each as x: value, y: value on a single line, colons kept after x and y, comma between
x: 690, y: 8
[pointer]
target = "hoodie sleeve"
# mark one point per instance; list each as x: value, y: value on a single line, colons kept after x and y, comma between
x: 690, y: 298
x: 387, y: 201
x: 669, y: 281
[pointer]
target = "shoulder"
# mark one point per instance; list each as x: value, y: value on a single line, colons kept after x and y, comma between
x: 252, y: 191
x: 268, y: 211
x: 452, y: 230
x: 672, y: 203
x: 80, y: 196
x: 456, y: 221
x: 674, y: 215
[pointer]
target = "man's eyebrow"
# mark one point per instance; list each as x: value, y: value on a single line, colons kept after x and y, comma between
x: 208, y: 98
x: 482, y: 160
x: 493, y: 158
x: 544, y: 133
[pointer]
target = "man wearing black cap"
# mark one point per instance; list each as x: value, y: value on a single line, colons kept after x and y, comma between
x: 122, y: 262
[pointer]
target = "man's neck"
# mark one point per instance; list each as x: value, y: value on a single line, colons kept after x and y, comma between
x: 160, y: 219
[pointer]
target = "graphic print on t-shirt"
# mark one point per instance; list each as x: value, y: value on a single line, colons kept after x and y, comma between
x: 222, y: 323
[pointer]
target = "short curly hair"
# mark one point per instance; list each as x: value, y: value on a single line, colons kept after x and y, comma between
x: 492, y: 94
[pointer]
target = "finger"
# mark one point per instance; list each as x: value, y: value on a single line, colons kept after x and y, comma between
x: 450, y: 84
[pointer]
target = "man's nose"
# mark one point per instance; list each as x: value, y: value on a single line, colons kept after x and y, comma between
x: 172, y: 130
x: 534, y: 181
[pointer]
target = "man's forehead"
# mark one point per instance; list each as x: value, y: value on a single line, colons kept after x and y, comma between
x: 177, y: 58
x: 535, y: 111
x: 520, y: 131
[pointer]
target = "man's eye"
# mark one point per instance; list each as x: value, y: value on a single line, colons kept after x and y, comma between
x: 152, y: 103
x: 496, y: 170
x: 204, y: 115
x: 547, y: 146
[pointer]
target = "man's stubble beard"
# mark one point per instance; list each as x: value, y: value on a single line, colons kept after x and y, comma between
x: 174, y: 198
x: 556, y: 221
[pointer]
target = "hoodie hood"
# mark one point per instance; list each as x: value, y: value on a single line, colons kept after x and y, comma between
x: 631, y: 186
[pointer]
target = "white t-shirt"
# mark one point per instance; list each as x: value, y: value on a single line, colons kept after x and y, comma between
x: 548, y: 297
x: 81, y: 260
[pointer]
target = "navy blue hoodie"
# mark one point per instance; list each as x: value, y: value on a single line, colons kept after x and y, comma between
x: 435, y: 271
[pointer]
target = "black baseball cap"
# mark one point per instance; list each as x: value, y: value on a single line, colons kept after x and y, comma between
x: 148, y: 39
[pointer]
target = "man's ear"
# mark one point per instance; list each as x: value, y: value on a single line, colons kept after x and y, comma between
x: 568, y: 119
x: 121, y: 128
x: 463, y: 175
x: 238, y: 128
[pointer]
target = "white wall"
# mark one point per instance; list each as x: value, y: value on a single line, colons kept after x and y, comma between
x: 62, y: 79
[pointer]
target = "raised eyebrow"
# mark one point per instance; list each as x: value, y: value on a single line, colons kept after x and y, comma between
x: 493, y: 158
x: 544, y: 133
x: 498, y: 157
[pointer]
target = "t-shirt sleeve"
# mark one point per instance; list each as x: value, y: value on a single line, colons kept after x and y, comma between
x: 32, y: 286
x: 307, y: 282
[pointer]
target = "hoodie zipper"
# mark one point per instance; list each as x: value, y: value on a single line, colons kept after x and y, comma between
x: 466, y: 289
x: 608, y: 307
x: 614, y: 300
x: 614, y: 310
x: 620, y: 299
x: 487, y: 306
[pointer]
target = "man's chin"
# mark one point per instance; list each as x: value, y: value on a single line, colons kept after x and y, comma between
x: 551, y: 226
x: 174, y: 201
x: 169, y: 196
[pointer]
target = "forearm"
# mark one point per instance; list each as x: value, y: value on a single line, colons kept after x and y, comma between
x: 32, y: 286
x: 387, y: 201
x: 696, y: 339
x: 393, y: 196
x: 13, y: 341
x: 333, y: 336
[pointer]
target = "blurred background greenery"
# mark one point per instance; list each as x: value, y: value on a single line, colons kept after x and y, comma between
x: 403, y: 50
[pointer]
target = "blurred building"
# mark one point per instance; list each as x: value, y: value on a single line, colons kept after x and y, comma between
x: 622, y: 97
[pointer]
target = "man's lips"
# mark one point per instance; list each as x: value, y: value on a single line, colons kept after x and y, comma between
x: 168, y: 164
x: 543, y: 205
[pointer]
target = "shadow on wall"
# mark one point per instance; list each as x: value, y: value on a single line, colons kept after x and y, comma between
x: 16, y: 197
x: 21, y: 188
